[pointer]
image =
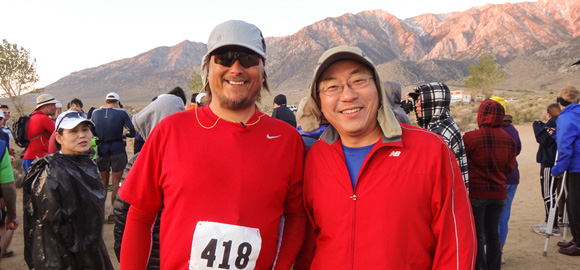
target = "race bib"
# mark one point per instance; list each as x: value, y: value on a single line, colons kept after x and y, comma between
x: 224, y: 246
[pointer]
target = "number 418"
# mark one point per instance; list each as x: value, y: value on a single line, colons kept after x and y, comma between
x: 244, y: 251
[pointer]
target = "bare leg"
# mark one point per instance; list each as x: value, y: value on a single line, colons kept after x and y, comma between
x: 116, y: 179
x: 105, y: 177
x: 6, y: 239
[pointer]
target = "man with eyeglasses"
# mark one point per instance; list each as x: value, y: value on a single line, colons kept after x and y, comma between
x: 379, y: 194
x: 225, y: 173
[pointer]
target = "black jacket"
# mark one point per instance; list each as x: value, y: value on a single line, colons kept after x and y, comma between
x: 285, y: 114
x: 547, y: 149
x: 64, y: 201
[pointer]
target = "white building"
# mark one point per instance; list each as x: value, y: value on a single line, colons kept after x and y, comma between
x: 460, y: 95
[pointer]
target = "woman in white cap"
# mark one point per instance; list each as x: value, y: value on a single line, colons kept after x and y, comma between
x: 64, y: 203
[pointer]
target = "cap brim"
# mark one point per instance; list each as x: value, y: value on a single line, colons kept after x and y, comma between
x: 71, y: 123
x: 343, y: 55
x: 50, y: 102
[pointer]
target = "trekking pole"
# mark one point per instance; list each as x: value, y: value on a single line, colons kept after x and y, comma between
x: 552, y: 214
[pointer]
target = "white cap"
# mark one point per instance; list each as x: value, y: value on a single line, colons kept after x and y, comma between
x: 69, y: 120
x: 112, y: 96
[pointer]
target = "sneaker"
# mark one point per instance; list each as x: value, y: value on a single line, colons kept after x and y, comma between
x: 542, y: 231
x: 539, y: 225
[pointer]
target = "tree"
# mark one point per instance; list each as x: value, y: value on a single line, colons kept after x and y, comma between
x: 195, y: 83
x: 484, y: 76
x: 17, y: 73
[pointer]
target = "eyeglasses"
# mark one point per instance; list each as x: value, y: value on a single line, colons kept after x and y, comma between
x: 333, y: 87
x: 227, y: 59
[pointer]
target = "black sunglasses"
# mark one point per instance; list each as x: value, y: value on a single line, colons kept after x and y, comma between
x: 227, y: 59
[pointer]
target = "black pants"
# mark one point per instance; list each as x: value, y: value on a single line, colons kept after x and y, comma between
x: 573, y: 205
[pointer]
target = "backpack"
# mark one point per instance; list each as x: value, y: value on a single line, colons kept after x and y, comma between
x: 20, y: 131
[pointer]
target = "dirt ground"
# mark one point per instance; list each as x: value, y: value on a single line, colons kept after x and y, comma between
x: 523, y: 249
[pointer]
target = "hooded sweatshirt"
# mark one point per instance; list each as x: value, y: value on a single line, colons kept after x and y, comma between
x: 491, y: 153
x: 393, y: 94
x: 408, y: 170
x: 146, y: 119
x: 435, y: 100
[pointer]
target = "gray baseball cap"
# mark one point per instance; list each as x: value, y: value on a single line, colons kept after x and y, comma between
x: 233, y: 33
x: 237, y: 33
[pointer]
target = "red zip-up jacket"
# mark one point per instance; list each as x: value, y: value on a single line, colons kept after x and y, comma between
x: 409, y: 208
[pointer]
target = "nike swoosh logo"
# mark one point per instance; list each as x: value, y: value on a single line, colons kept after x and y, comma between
x: 272, y: 137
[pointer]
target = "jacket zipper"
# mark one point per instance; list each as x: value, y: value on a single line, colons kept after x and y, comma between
x: 354, y: 198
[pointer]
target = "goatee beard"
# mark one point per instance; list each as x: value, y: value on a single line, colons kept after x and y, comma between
x: 243, y: 103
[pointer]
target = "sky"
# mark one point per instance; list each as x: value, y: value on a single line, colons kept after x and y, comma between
x: 65, y: 36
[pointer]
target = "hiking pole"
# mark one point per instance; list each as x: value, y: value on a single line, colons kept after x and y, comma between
x: 552, y: 214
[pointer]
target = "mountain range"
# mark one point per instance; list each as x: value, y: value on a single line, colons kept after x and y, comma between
x: 534, y: 42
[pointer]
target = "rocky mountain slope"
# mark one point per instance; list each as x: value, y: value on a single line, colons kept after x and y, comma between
x: 537, y: 39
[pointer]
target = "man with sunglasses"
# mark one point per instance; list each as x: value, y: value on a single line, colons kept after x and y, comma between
x: 229, y: 177
x: 366, y: 212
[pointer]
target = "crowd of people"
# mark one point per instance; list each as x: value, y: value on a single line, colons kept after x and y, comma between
x: 218, y: 183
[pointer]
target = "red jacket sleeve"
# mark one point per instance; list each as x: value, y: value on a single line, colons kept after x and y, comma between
x: 453, y: 224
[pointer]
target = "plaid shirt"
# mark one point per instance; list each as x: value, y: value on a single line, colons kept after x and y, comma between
x: 435, y: 100
x: 491, y: 153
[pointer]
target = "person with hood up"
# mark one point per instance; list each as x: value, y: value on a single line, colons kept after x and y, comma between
x: 432, y: 110
x: 361, y: 165
x: 568, y: 141
x: 492, y: 154
x: 64, y: 201
x: 393, y: 94
x: 513, y: 178
x: 224, y: 173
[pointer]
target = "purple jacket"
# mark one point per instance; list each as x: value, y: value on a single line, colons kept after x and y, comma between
x: 514, y: 177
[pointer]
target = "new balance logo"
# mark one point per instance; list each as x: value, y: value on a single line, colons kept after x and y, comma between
x: 395, y: 154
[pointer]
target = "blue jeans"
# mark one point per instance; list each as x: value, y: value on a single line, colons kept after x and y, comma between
x: 505, y: 214
x: 486, y: 213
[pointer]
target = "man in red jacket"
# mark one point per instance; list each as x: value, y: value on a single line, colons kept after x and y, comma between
x: 40, y: 127
x: 224, y: 173
x: 379, y: 194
